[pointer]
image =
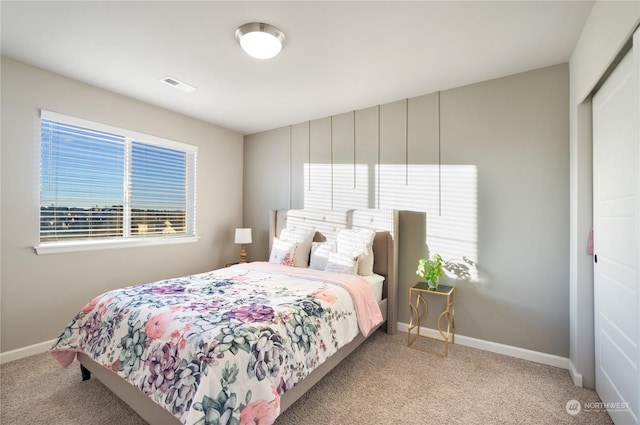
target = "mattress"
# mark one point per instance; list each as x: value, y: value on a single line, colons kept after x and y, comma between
x: 229, y: 342
x: 376, y: 281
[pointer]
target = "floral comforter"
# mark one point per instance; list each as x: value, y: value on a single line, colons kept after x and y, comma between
x: 222, y: 347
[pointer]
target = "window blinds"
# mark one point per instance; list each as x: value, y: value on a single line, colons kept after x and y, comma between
x: 158, y: 196
x: 98, y: 181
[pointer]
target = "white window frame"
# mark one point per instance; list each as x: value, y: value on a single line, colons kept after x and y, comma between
x: 126, y: 241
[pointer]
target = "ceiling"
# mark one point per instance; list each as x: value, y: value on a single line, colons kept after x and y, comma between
x: 339, y: 56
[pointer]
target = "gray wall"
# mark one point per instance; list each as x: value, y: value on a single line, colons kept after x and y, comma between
x: 41, y: 293
x: 503, y: 203
x: 610, y: 25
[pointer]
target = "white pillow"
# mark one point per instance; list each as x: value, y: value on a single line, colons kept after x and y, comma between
x: 303, y: 238
x: 338, y: 263
x: 283, y: 252
x: 320, y: 254
x: 358, y: 243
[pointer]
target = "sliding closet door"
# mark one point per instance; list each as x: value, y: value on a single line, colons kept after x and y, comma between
x: 616, y: 141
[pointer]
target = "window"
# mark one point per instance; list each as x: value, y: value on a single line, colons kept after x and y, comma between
x: 100, y: 184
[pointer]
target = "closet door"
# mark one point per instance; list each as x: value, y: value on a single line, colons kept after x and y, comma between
x: 616, y: 156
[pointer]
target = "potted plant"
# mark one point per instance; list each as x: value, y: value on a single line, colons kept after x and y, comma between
x: 431, y: 270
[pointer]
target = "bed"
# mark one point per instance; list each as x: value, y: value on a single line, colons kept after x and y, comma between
x: 250, y: 354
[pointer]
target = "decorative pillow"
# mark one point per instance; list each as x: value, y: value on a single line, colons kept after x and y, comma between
x: 303, y: 238
x: 338, y: 263
x: 283, y: 252
x: 320, y: 254
x: 358, y: 243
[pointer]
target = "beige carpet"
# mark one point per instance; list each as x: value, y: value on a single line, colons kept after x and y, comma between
x: 382, y: 382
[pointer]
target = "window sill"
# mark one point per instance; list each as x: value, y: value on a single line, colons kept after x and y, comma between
x: 94, y: 245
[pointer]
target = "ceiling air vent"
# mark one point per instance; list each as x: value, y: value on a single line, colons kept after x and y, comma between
x: 173, y: 82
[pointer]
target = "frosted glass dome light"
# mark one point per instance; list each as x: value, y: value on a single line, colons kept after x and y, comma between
x: 260, y: 40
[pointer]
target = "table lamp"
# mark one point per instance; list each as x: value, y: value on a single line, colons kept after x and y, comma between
x: 243, y: 236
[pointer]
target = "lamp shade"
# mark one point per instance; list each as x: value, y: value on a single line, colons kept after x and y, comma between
x: 260, y: 40
x: 243, y: 235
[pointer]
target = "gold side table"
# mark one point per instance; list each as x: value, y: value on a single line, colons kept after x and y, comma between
x: 419, y: 309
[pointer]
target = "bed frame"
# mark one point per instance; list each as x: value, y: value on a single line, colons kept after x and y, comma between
x: 326, y: 223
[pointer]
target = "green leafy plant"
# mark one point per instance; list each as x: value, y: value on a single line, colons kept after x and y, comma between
x: 431, y: 269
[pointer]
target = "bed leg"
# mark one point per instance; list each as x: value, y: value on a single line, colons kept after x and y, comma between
x: 86, y: 374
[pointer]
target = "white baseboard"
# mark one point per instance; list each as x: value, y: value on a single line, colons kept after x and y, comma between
x: 495, y: 347
x: 23, y: 352
x: 577, y: 377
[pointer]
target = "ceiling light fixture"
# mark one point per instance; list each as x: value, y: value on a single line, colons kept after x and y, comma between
x: 260, y: 40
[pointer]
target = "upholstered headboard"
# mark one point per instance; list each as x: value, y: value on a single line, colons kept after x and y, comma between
x: 327, y: 223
